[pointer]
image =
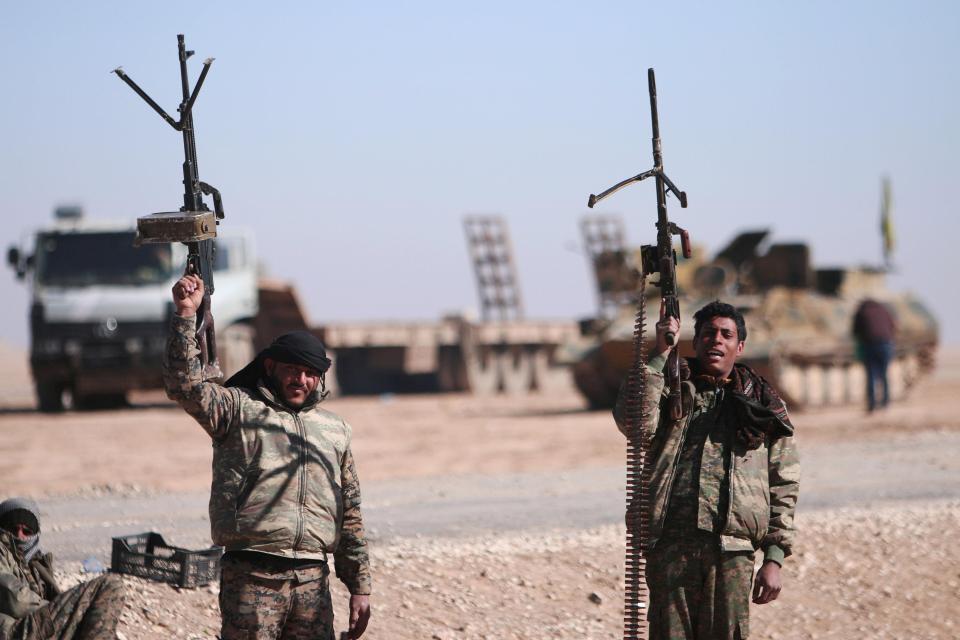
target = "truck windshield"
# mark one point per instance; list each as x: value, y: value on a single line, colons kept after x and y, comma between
x: 86, y: 259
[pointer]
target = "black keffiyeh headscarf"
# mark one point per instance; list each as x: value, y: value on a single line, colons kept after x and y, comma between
x: 297, y: 347
x: 16, y: 511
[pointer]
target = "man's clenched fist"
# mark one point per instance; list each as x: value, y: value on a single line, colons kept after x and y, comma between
x: 187, y: 295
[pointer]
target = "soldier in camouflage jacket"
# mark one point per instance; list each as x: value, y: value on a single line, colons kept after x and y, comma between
x: 285, y: 491
x: 724, y: 483
x: 32, y: 606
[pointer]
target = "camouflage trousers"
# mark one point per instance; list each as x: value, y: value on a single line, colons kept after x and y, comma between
x: 88, y: 611
x: 698, y: 592
x: 265, y: 603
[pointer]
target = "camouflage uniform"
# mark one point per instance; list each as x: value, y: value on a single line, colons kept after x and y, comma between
x: 265, y: 600
x: 284, y: 486
x: 32, y: 607
x: 714, y: 500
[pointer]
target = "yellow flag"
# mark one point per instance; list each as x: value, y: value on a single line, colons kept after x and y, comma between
x: 886, y: 221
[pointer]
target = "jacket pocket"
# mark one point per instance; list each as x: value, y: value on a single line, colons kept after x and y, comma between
x: 246, y: 486
x: 749, y: 496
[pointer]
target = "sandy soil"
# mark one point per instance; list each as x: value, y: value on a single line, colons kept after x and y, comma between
x: 875, y: 577
x: 878, y: 572
x: 156, y: 445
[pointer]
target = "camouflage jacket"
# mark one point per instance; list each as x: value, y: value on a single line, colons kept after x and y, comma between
x: 24, y: 586
x: 757, y: 487
x: 284, y: 481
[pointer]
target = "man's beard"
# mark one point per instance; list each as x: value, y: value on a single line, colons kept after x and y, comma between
x: 281, y: 392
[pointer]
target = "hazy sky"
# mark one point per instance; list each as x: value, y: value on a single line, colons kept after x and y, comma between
x: 352, y: 137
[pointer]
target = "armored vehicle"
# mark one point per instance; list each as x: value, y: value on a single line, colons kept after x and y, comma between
x: 100, y: 307
x: 798, y: 318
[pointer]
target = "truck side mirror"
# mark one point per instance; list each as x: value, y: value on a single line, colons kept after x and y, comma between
x: 14, y: 259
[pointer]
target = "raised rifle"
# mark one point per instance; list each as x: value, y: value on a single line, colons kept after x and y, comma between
x: 659, y: 258
x: 194, y: 224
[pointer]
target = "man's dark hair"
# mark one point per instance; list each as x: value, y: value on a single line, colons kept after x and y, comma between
x: 723, y: 310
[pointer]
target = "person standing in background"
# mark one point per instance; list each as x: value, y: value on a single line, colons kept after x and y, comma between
x: 874, y: 328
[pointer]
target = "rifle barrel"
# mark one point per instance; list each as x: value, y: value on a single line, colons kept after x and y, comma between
x: 654, y: 119
x: 184, y: 81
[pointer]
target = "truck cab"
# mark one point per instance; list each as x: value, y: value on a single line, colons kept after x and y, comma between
x: 100, y: 306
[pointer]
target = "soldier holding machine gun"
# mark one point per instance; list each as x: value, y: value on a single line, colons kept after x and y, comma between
x: 713, y: 469
x: 724, y: 483
x: 285, y: 496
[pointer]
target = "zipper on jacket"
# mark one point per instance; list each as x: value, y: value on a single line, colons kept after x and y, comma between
x: 302, y: 472
x: 673, y: 468
x: 730, y: 476
x: 726, y: 523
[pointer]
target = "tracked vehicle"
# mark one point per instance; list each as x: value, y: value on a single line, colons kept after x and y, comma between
x: 798, y: 319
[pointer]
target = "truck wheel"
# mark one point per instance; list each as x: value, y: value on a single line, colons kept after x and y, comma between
x: 98, y: 401
x: 50, y: 397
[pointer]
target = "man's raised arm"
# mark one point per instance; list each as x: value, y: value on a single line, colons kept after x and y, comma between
x: 213, y: 406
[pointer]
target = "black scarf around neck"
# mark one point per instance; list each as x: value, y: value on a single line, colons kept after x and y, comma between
x: 760, y: 410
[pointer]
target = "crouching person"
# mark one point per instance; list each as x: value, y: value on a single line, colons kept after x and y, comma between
x: 31, y: 605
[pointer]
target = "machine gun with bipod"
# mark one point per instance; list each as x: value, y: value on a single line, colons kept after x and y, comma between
x: 194, y: 224
x: 659, y: 258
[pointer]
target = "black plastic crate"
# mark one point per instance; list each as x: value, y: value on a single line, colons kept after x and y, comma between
x: 147, y: 555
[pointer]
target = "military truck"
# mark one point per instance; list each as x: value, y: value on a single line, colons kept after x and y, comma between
x: 100, y: 307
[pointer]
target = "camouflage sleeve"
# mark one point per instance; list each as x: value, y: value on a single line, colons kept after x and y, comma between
x: 653, y: 394
x: 42, y: 567
x: 215, y: 407
x: 784, y: 474
x: 17, y: 599
x: 351, y: 559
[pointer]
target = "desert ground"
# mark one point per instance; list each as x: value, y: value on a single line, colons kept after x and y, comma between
x: 501, y: 517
